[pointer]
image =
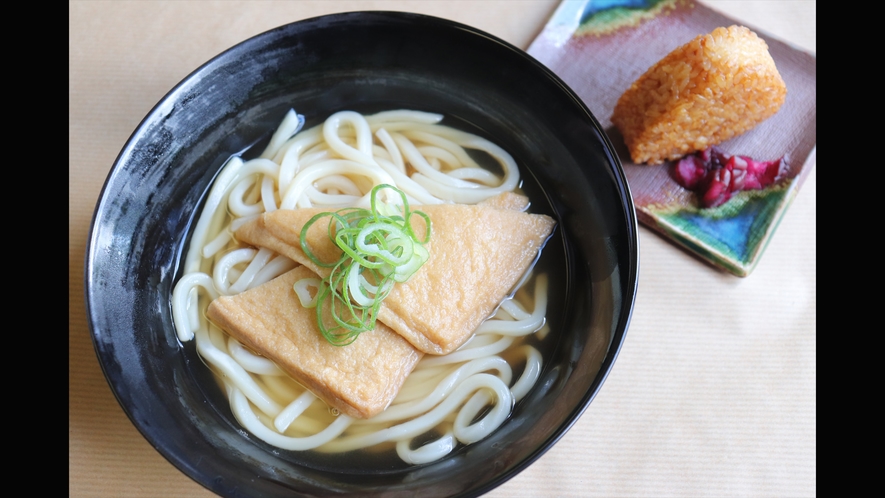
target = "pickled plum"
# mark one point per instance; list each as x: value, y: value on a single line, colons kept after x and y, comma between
x: 714, y: 176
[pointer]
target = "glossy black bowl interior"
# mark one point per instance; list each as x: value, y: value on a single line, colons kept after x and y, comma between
x: 365, y: 61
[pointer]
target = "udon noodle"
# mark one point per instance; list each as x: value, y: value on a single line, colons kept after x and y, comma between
x: 456, y: 398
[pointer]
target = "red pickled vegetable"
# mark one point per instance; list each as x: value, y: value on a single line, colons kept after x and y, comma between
x: 690, y: 170
x: 714, y: 176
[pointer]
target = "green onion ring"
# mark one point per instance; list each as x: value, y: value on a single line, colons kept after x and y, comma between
x: 379, y: 247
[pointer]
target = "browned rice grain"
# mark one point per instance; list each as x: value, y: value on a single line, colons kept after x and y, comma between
x: 713, y: 88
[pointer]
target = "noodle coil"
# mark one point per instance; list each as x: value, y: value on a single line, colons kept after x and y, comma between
x: 461, y: 397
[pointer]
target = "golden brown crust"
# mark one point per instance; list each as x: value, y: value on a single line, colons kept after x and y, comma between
x: 360, y: 379
x: 478, y: 255
x: 711, y: 89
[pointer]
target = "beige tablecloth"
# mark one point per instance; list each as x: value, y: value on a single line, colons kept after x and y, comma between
x: 714, y: 391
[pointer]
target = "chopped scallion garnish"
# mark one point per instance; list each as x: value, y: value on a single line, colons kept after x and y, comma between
x: 379, y: 248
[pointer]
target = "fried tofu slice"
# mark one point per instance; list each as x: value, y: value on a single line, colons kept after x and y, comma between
x: 507, y: 200
x: 360, y: 379
x: 478, y: 254
x: 283, y: 236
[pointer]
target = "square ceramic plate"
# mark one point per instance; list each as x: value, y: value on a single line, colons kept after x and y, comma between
x: 600, y: 47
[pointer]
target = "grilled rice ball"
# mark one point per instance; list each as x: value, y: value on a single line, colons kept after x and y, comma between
x: 711, y: 89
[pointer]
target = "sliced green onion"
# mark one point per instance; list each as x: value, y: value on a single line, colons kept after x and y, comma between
x: 378, y: 249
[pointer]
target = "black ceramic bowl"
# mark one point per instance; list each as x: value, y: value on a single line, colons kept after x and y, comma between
x: 363, y: 61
